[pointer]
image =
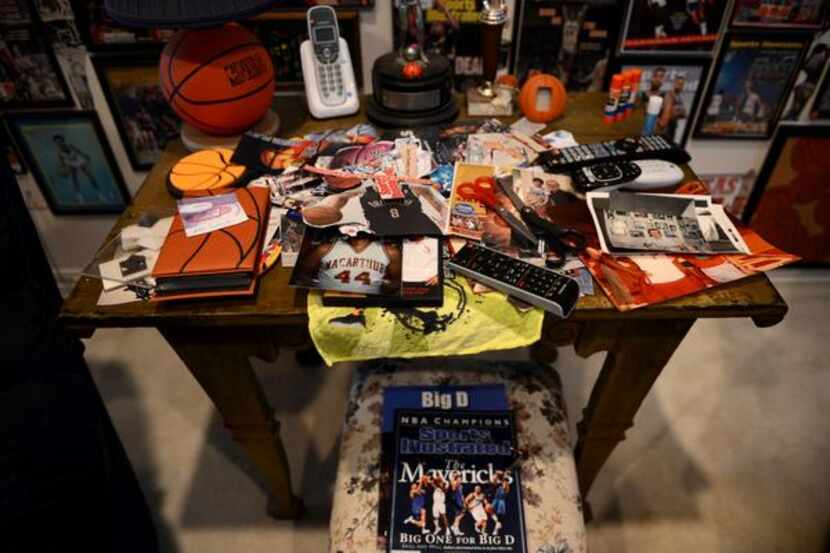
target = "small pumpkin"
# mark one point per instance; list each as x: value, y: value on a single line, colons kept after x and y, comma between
x: 529, y: 92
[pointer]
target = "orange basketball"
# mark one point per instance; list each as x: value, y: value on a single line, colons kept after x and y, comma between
x: 219, y: 80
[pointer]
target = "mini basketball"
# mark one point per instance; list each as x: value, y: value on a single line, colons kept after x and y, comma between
x: 220, y: 80
x: 204, y: 172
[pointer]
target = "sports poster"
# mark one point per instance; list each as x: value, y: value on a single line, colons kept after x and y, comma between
x: 750, y: 84
x: 455, y: 489
x: 672, y: 27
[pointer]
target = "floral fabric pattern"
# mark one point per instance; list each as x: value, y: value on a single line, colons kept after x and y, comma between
x: 552, y: 504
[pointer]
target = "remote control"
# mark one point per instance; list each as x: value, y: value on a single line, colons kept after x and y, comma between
x: 656, y: 173
x: 565, y: 160
x: 544, y: 288
x: 600, y: 175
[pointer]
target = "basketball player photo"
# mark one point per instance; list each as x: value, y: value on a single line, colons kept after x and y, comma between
x: 357, y: 264
x: 422, y: 211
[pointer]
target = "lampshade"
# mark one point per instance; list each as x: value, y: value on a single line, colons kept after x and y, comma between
x: 183, y: 13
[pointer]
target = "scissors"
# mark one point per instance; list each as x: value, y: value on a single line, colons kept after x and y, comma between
x: 560, y: 240
x: 483, y: 190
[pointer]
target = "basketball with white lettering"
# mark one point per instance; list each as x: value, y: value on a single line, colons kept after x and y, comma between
x: 219, y: 79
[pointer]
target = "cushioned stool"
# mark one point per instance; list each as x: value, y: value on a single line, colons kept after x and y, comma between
x: 552, y: 505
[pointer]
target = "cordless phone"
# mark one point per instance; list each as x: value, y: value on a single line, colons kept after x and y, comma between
x: 327, y: 67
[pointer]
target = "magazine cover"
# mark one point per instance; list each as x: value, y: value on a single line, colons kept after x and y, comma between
x: 484, y: 397
x: 455, y: 489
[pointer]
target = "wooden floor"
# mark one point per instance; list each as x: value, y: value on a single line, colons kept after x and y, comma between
x: 729, y: 452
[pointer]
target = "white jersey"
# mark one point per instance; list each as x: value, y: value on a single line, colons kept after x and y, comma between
x: 420, y: 260
x: 439, y: 507
x: 347, y: 270
x: 477, y: 508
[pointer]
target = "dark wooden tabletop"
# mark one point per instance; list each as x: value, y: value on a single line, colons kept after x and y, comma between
x: 277, y: 304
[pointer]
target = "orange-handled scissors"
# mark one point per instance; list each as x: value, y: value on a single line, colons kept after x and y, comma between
x: 483, y: 190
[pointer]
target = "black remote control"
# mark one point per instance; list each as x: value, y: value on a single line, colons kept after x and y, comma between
x: 591, y: 177
x: 538, y: 286
x: 565, y: 160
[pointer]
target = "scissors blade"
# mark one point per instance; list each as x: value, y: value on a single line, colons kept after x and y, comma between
x: 506, y: 185
x: 517, y: 225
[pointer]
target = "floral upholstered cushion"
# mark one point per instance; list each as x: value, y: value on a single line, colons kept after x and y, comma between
x: 552, y: 505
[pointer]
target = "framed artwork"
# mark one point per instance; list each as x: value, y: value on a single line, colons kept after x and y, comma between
x: 790, y: 203
x: 29, y: 73
x: 731, y: 190
x: 579, y: 41
x: 54, y: 10
x: 71, y: 161
x: 809, y: 74
x: 680, y: 84
x: 15, y: 12
x: 144, y: 119
x: 821, y: 104
x: 786, y: 14
x: 101, y: 34
x: 305, y: 4
x: 749, y: 85
x: 672, y: 27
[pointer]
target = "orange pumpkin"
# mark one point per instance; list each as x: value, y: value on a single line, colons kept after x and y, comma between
x: 529, y: 92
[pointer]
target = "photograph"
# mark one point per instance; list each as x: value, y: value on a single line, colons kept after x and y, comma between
x: 144, y: 119
x: 672, y: 27
x: 821, y: 105
x: 789, y: 203
x: 72, y: 60
x: 69, y: 157
x: 358, y: 264
x: 580, y: 40
x: 750, y: 84
x: 29, y: 73
x: 786, y: 14
x: 807, y: 80
x: 15, y: 12
x: 101, y: 34
x: 54, y: 10
x: 730, y: 189
x: 681, y: 87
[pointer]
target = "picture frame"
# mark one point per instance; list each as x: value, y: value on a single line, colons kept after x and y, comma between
x: 813, y: 66
x: 144, y: 119
x: 675, y: 124
x: 821, y: 101
x: 31, y: 76
x: 786, y: 205
x: 670, y: 29
x: 101, y: 34
x: 750, y: 84
x: 754, y: 14
x: 74, y: 179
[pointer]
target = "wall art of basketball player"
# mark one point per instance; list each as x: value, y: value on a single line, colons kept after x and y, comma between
x: 360, y: 264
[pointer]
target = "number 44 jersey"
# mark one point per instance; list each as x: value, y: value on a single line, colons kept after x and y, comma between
x: 349, y: 270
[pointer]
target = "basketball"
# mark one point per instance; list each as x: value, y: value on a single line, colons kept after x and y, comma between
x: 220, y: 80
x: 204, y: 172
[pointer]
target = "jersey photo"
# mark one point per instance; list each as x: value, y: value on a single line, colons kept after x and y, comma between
x: 345, y: 269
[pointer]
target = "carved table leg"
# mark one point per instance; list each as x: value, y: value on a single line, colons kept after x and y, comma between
x: 219, y: 360
x: 637, y: 352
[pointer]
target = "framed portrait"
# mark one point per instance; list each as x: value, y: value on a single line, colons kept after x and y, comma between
x: 790, y: 202
x: 29, y: 73
x: 580, y: 38
x: 144, y: 119
x: 786, y: 14
x: 69, y: 157
x: 54, y: 10
x: 672, y: 27
x: 15, y: 12
x: 807, y: 80
x: 680, y: 84
x: 751, y: 80
x: 100, y: 33
x: 821, y: 103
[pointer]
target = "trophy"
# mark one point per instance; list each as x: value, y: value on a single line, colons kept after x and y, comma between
x: 486, y: 98
x: 411, y: 87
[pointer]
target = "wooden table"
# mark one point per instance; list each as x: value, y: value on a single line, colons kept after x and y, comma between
x: 216, y: 339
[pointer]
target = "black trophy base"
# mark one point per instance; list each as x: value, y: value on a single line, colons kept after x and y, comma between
x: 401, y: 102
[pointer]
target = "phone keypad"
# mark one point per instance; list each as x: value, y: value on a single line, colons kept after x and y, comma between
x: 330, y: 78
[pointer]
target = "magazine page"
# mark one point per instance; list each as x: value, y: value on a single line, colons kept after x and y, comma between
x: 454, y: 487
x: 628, y: 223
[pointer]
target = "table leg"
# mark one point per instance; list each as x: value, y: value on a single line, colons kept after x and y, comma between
x: 219, y: 359
x: 637, y: 352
